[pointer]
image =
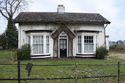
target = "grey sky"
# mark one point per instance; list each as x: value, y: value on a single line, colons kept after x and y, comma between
x: 113, y: 10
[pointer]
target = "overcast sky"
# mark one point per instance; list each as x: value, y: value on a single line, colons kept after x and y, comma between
x: 113, y: 10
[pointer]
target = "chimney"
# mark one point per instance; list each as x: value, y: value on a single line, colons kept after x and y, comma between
x: 60, y: 9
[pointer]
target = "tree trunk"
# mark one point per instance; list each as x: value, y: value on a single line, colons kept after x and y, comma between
x: 11, y: 34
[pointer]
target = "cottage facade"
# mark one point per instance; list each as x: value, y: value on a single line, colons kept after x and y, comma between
x: 61, y: 34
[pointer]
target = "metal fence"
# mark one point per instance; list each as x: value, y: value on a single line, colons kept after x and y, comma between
x: 63, y: 73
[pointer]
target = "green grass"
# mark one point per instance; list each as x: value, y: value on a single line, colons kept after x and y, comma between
x: 10, y: 71
x: 7, y: 56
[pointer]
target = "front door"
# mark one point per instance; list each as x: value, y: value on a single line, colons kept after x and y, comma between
x: 63, y: 48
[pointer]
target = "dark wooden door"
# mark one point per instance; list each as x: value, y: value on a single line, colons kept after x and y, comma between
x: 63, y: 48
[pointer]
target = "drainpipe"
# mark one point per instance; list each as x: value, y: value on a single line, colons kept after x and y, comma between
x: 105, y: 34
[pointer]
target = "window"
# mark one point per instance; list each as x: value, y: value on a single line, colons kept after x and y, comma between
x: 88, y: 44
x: 85, y: 44
x: 63, y: 43
x: 40, y: 44
x: 63, y: 40
x: 79, y: 44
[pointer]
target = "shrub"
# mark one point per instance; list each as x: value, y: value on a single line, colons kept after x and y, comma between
x: 117, y: 47
x: 24, y: 52
x: 101, y: 53
x: 3, y: 42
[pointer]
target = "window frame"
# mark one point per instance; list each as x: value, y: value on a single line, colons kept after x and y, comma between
x: 47, y: 44
x: 88, y: 42
x: 38, y: 41
x: 44, y: 43
x: 79, y: 42
x: 83, y: 43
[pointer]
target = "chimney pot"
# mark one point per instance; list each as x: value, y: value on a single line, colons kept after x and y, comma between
x: 60, y: 9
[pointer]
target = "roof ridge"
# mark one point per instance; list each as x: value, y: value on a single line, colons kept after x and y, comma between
x: 64, y: 13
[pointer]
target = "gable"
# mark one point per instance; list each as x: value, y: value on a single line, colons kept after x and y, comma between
x: 61, y: 29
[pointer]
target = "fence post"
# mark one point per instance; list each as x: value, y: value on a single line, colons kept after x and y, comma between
x: 19, y: 71
x: 118, y: 72
x: 75, y: 80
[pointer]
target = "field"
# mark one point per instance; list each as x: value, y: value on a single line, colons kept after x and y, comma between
x: 89, y: 67
x: 7, y: 56
x: 117, y: 55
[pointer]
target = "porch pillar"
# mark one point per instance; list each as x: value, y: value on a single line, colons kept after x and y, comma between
x: 55, y: 47
x: 70, y: 47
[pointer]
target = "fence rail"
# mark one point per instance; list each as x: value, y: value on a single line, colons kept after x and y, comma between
x: 68, y: 64
x: 118, y: 75
x: 60, y: 78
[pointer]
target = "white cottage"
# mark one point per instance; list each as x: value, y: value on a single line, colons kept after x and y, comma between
x: 61, y: 34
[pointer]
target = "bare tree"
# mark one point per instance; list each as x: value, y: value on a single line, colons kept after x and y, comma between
x: 8, y: 8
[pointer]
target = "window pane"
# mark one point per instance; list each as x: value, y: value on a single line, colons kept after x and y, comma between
x: 28, y: 39
x: 47, y: 44
x: 88, y: 44
x: 79, y: 44
x: 38, y: 45
x: 63, y: 43
x: 88, y: 48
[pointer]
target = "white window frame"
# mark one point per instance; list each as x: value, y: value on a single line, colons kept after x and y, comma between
x: 47, y: 44
x: 44, y: 43
x: 28, y: 38
x: 82, y: 40
x: 79, y: 51
x: 88, y: 43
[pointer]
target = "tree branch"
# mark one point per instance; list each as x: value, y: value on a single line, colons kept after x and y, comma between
x: 6, y: 7
x: 17, y: 6
x: 13, y: 2
x: 3, y: 14
x: 9, y: 7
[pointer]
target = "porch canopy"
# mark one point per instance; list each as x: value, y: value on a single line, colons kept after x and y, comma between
x: 55, y: 35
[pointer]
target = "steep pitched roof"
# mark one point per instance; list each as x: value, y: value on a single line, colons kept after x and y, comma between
x: 54, y: 17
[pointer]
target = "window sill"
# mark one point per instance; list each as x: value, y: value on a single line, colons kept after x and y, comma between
x: 37, y: 55
x: 84, y: 53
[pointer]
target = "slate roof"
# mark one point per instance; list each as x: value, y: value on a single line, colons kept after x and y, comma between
x: 54, y: 17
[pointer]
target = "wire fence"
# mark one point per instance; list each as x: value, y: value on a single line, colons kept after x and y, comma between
x: 62, y: 73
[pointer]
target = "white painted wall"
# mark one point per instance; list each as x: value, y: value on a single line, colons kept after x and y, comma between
x: 23, y: 35
x: 107, y: 42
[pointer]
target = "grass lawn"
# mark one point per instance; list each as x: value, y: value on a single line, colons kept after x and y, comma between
x: 10, y: 71
x: 7, y: 56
